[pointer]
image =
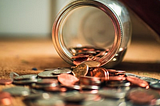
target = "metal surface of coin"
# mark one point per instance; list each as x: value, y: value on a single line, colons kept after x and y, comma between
x: 118, y: 83
x: 26, y: 77
x: 112, y: 93
x: 90, y: 87
x: 5, y: 81
x: 150, y: 80
x: 61, y: 70
x: 17, y: 91
x: 47, y: 74
x: 5, y: 99
x: 67, y: 79
x: 24, y: 81
x: 92, y: 63
x: 100, y: 72
x: 137, y: 81
x: 130, y: 74
x: 80, y: 70
x: 47, y: 81
x: 155, y: 85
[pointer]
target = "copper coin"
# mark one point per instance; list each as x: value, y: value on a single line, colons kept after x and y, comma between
x: 67, y: 79
x: 140, y: 96
x: 5, y: 81
x: 117, y: 78
x: 5, y: 98
x: 100, y: 72
x: 138, y: 81
x: 80, y: 70
x: 55, y: 89
x: 88, y: 80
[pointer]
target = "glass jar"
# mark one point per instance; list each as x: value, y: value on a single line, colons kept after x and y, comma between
x: 98, y: 30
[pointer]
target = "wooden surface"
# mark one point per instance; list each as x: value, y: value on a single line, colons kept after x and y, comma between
x: 21, y: 55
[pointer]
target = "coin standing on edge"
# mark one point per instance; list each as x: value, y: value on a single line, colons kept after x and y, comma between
x: 80, y: 70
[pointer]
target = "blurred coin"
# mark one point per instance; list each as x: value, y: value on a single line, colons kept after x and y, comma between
x: 74, y: 97
x: 155, y: 85
x: 5, y: 98
x: 118, y: 83
x: 92, y: 63
x: 42, y: 86
x: 112, y: 93
x: 55, y: 89
x: 61, y: 70
x: 117, y: 78
x: 100, y: 72
x: 142, y: 96
x: 12, y: 75
x: 80, y: 70
x: 26, y: 77
x: 17, y: 91
x: 88, y: 80
x: 47, y: 74
x: 137, y: 81
x: 24, y: 81
x: 150, y: 80
x: 5, y: 81
x: 72, y: 87
x: 67, y: 79
x: 130, y: 74
x: 47, y: 81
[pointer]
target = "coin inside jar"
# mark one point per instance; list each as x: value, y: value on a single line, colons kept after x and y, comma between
x: 92, y: 63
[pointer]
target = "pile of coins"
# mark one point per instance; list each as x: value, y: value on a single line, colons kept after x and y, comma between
x: 86, y: 84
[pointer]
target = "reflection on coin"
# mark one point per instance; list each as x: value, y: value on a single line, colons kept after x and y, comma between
x: 17, y: 91
x: 80, y: 70
x: 47, y: 74
x: 88, y: 80
x: 92, y: 63
x: 26, y: 77
x: 90, y: 87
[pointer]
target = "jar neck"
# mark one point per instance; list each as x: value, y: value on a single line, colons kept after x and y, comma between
x: 57, y: 29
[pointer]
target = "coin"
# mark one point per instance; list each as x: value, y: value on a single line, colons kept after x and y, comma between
x: 5, y: 81
x: 26, y: 77
x: 141, y: 96
x: 67, y: 79
x: 100, y: 72
x: 5, y: 98
x: 112, y: 93
x: 24, y: 81
x: 137, y: 81
x: 88, y: 80
x: 155, y: 85
x: 92, y: 63
x: 117, y: 78
x: 80, y: 70
x: 61, y: 70
x: 17, y: 91
x: 47, y: 74
x: 123, y: 83
x: 90, y: 87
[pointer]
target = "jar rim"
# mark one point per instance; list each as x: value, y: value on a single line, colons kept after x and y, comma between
x: 57, y: 33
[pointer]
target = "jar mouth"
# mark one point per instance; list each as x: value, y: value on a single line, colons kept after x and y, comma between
x: 57, y: 31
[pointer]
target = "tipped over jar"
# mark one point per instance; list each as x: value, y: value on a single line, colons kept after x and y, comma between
x: 98, y: 30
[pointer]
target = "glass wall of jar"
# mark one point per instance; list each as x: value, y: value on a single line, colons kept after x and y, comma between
x: 98, y: 30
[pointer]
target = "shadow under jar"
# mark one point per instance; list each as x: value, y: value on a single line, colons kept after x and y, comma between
x: 98, y: 30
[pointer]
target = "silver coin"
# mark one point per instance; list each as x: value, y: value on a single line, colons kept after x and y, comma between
x: 26, y: 77
x: 130, y: 74
x: 155, y: 85
x: 150, y: 80
x: 24, y: 81
x: 61, y: 70
x: 17, y: 91
x: 112, y: 93
x: 47, y: 74
x: 40, y: 86
x: 118, y: 84
x: 47, y: 81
